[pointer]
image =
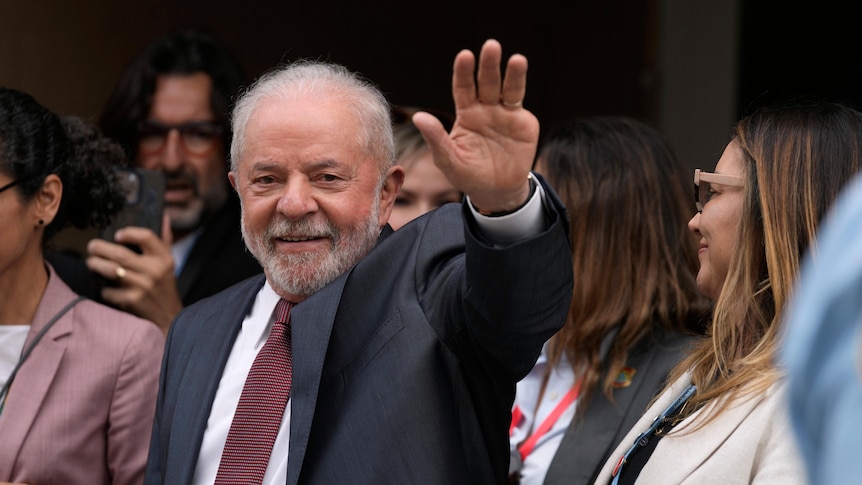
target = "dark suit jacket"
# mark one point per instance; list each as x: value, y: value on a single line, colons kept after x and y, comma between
x: 217, y: 260
x: 219, y: 257
x: 404, y: 368
x: 588, y: 442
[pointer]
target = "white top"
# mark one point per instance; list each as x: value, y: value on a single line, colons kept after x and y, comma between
x: 526, y: 222
x: 12, y: 338
x: 562, y: 378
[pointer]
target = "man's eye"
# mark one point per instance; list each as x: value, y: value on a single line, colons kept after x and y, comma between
x: 266, y: 179
x: 328, y: 177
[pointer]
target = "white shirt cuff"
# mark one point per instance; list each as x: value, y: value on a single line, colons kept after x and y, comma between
x: 526, y: 222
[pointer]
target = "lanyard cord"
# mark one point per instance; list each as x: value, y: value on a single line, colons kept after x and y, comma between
x: 26, y: 353
x: 675, y: 407
x: 527, y: 446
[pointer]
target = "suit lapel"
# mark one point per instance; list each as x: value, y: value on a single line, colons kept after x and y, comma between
x: 590, y: 438
x: 311, y: 325
x: 33, y: 381
x: 706, y: 441
x: 661, y: 403
x: 587, y: 441
x: 201, y: 378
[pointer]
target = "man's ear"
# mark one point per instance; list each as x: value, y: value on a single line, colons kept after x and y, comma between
x: 232, y: 177
x: 391, y: 186
x: 47, y: 200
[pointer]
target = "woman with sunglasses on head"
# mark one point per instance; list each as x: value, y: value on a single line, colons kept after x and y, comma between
x: 78, y: 380
x: 722, y: 418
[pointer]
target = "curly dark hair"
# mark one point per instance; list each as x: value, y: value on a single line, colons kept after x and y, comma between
x: 34, y: 143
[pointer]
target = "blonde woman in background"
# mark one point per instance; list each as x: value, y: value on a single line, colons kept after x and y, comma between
x: 724, y: 418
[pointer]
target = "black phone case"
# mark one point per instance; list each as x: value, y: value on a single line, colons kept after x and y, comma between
x: 145, y: 191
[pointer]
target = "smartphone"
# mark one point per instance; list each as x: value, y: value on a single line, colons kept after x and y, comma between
x: 145, y: 191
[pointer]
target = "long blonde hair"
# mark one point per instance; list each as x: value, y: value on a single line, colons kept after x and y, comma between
x: 796, y: 158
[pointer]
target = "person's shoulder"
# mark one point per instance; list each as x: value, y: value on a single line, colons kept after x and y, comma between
x: 777, y: 391
x: 432, y: 238
x: 97, y: 312
x: 106, y: 330
x: 764, y: 403
x: 444, y: 223
x: 214, y: 315
x: 232, y: 295
x: 670, y: 343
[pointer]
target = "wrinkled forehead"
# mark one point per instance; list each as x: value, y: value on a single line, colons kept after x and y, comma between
x: 316, y: 118
x: 300, y: 117
x: 304, y: 131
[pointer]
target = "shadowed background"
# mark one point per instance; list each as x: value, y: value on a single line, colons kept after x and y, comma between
x: 689, y: 67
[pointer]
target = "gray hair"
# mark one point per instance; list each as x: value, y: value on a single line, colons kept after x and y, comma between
x: 306, y: 77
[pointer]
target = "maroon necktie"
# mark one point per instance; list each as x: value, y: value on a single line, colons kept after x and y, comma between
x: 261, y: 406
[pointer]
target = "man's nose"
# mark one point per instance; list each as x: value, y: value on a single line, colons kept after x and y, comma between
x: 297, y: 199
x: 172, y: 156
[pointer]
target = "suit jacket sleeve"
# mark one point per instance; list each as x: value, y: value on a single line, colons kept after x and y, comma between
x: 518, y: 296
x: 507, y: 302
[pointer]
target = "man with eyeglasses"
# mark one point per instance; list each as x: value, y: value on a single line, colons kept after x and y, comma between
x: 170, y: 111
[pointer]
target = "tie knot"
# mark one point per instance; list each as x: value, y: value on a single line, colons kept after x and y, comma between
x: 282, y: 311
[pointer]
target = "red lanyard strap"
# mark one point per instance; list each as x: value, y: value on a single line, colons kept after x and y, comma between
x: 527, y: 446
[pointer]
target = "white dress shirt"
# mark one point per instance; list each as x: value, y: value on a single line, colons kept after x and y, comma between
x: 562, y: 378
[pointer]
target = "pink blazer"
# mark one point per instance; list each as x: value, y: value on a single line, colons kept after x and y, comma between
x: 80, y: 410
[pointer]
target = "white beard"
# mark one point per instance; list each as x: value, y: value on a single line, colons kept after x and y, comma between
x: 305, y: 274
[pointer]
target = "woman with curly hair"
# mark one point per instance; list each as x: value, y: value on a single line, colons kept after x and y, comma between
x: 78, y: 380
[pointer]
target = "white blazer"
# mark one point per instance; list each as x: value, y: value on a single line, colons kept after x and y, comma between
x: 751, y: 442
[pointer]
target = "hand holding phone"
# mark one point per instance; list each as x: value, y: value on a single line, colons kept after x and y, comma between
x: 144, y: 190
x: 137, y: 271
